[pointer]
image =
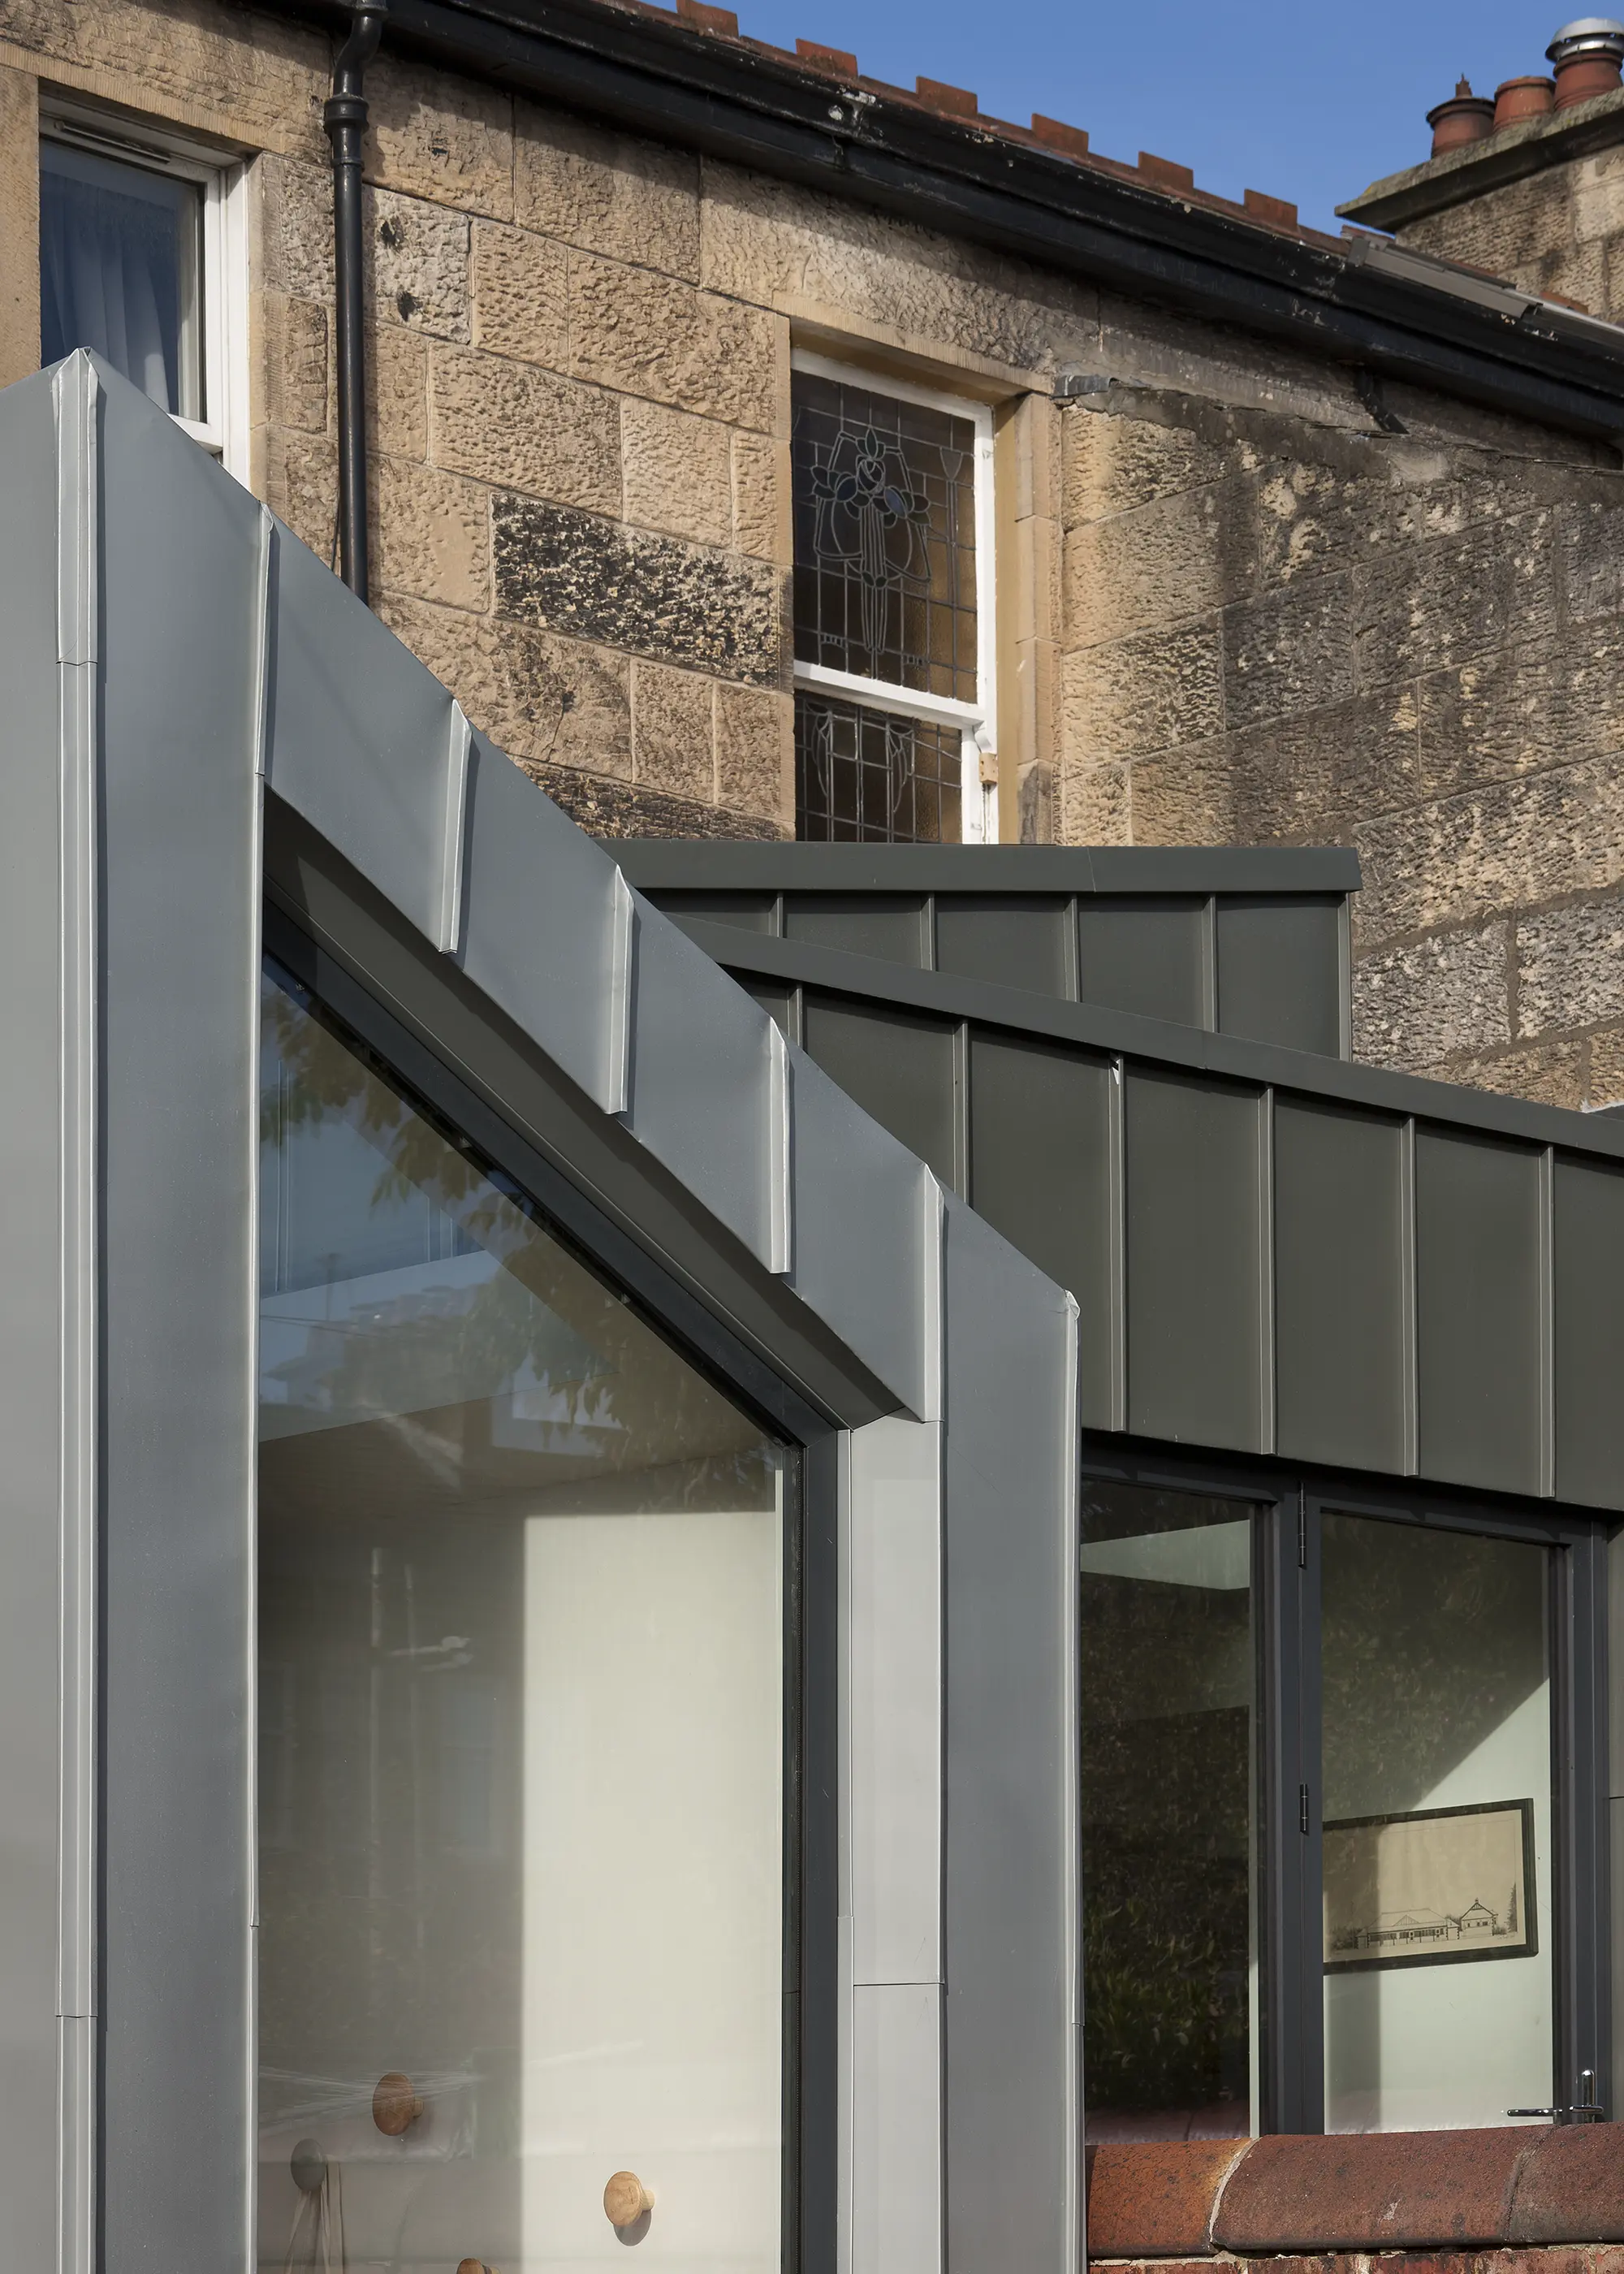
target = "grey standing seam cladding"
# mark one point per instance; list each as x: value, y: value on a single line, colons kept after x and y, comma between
x: 383, y: 776
x: 1347, y: 1265
x: 30, y: 1318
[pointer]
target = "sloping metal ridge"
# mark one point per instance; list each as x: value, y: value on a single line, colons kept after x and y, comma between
x: 184, y: 681
x: 760, y: 110
x: 1272, y: 1251
x: 1254, y: 942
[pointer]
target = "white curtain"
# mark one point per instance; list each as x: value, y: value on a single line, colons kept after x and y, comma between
x: 110, y: 269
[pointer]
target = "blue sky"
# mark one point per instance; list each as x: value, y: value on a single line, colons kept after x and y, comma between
x: 1305, y: 102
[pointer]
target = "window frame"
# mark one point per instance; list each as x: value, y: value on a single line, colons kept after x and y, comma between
x: 222, y: 278
x: 1288, y: 1502
x: 977, y: 721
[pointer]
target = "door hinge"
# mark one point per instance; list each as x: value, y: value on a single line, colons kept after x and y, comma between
x: 1301, y: 1810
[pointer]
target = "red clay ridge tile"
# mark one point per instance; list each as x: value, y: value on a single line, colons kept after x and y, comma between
x: 830, y: 59
x: 1263, y: 207
x: 1570, y: 2187
x: 957, y: 100
x: 1055, y: 134
x: 1372, y: 2191
x: 703, y: 18
x: 1164, y: 171
x: 1155, y: 2199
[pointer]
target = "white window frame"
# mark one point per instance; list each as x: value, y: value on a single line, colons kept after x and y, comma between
x: 977, y: 721
x: 222, y: 282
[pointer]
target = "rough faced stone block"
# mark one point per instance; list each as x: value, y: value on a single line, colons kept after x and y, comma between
x: 762, y: 498
x: 398, y: 392
x: 613, y: 808
x: 1435, y: 999
x: 1113, y: 462
x: 301, y: 486
x: 290, y: 363
x: 672, y: 741
x: 1141, y: 693
x: 1429, y: 607
x: 19, y: 226
x: 1593, y: 561
x: 1308, y: 779
x: 1098, y: 808
x: 1551, y: 1074
x: 657, y: 336
x: 540, y: 698
x: 419, y: 264
x: 433, y: 534
x: 1598, y: 193
x: 1511, y: 713
x: 1460, y: 860
x: 678, y: 603
x: 1570, y: 967
x: 434, y: 136
x: 509, y: 423
x: 607, y: 192
x: 1156, y: 2199
x: 293, y: 207
x: 1291, y: 652
x: 1507, y: 231
x: 755, y: 752
x: 1605, y: 1085
x: 520, y: 295
x: 1186, y: 555
x: 784, y: 247
x: 678, y: 472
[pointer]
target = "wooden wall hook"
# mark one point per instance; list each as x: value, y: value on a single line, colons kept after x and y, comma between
x: 626, y: 2199
x: 396, y: 2104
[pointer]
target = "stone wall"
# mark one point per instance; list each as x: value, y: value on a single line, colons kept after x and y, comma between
x: 1276, y: 632
x: 1229, y: 607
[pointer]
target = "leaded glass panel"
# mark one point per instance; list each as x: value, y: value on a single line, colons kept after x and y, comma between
x: 874, y: 775
x: 885, y: 496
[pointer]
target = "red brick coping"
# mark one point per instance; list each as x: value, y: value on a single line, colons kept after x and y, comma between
x: 1455, y: 2193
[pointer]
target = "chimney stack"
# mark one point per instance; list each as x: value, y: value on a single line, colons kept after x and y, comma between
x: 1587, y: 55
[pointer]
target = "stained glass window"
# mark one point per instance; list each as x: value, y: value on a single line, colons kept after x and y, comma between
x: 884, y: 494
x: 875, y: 775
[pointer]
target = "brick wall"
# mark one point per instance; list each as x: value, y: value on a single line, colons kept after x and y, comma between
x: 1229, y: 607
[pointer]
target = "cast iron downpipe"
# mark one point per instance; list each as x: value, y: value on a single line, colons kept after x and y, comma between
x: 344, y: 118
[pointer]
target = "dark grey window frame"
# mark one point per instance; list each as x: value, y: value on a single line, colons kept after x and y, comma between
x: 1289, y: 1500
x: 810, y: 1570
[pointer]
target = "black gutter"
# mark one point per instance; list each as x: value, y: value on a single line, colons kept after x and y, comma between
x: 766, y: 112
x: 757, y: 956
x: 344, y: 118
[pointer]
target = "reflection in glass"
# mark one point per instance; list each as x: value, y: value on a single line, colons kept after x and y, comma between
x: 1437, y: 1723
x: 874, y: 776
x: 1169, y: 1720
x: 119, y: 266
x: 520, y: 1722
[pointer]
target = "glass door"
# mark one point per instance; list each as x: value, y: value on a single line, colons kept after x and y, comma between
x: 1437, y: 1840
x: 521, y: 1737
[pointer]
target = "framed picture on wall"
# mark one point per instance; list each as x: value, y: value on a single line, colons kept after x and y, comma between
x: 1433, y: 1888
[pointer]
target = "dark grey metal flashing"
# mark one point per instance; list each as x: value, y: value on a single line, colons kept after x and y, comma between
x: 657, y: 864
x: 762, y: 109
x: 1273, y: 1252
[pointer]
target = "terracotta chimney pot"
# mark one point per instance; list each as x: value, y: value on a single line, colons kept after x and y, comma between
x: 1465, y: 118
x: 1587, y: 55
x: 1516, y: 99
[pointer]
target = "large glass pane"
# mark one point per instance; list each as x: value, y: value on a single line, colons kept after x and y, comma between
x: 520, y: 1728
x: 1168, y: 1840
x: 119, y: 266
x: 1437, y: 1805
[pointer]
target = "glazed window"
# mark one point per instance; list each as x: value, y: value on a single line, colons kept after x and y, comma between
x: 893, y: 611
x: 137, y: 263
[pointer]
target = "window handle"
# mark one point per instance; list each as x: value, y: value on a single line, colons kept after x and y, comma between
x: 1585, y: 2109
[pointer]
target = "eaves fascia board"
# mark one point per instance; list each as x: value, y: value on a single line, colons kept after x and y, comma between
x: 1160, y: 1041
x: 734, y: 101
x: 664, y: 864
